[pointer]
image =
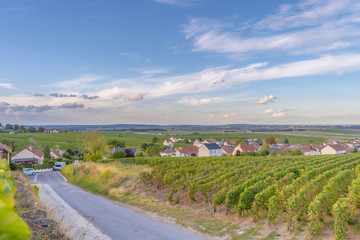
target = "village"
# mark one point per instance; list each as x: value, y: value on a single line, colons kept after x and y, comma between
x: 211, y: 147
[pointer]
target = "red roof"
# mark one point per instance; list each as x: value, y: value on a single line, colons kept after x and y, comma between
x: 227, y: 150
x: 4, y: 147
x: 189, y: 149
x: 33, y: 150
x: 169, y: 150
x: 56, y: 152
x: 248, y: 148
x: 337, y: 147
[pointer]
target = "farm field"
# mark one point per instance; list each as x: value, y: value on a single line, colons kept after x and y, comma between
x: 240, y: 197
x: 135, y: 139
x: 316, y: 193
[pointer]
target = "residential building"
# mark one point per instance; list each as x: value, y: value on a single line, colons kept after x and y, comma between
x: 334, y: 149
x: 209, y: 150
x: 187, y: 151
x: 168, y: 143
x: 245, y: 148
x: 29, y: 154
x: 168, y: 152
x: 197, y: 143
x: 5, y: 151
x: 227, y: 150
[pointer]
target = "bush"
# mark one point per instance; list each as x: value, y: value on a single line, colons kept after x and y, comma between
x: 118, y: 154
x: 14, y: 167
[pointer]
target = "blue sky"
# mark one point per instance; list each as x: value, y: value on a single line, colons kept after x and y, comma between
x: 179, y: 61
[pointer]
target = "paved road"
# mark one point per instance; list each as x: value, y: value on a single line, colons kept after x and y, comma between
x: 107, y: 216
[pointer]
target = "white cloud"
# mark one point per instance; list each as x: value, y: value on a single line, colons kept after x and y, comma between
x: 313, y: 26
x: 195, y: 101
x: 274, y: 113
x: 266, y: 100
x: 7, y: 85
x: 135, y: 56
x: 79, y: 83
x: 229, y: 115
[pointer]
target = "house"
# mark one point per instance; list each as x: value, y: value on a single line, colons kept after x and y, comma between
x: 54, y: 131
x: 55, y: 153
x: 29, y: 154
x: 229, y: 143
x: 197, y: 143
x: 209, y: 150
x: 245, y: 148
x: 227, y: 150
x: 168, y: 143
x: 174, y: 139
x: 5, y: 151
x: 187, y: 151
x: 334, y: 149
x: 209, y: 140
x: 310, y: 152
x: 168, y: 152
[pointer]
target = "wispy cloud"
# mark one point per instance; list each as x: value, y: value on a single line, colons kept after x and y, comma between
x: 266, y: 100
x: 59, y: 95
x: 87, y: 97
x: 81, y: 82
x: 181, y: 3
x: 71, y: 105
x: 229, y: 115
x: 135, y: 56
x: 313, y: 26
x: 275, y: 113
x: 7, y: 85
x: 201, y: 101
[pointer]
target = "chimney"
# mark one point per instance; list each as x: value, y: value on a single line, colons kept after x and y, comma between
x: 30, y: 148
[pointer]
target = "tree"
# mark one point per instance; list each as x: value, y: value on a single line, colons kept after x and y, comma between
x: 265, y: 147
x: 70, y: 151
x: 118, y: 154
x: 67, y: 155
x: 31, y: 130
x: 116, y: 143
x: 355, y: 150
x: 94, y: 146
x: 153, y: 151
x: 286, y: 141
x: 128, y: 152
x: 270, y: 140
x: 155, y: 140
x: 41, y: 129
x: 8, y: 126
x: 47, y: 154
x: 16, y: 127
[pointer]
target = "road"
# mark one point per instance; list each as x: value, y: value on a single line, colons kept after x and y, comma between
x: 105, y: 216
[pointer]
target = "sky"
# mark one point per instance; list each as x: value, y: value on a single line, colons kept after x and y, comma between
x: 207, y: 62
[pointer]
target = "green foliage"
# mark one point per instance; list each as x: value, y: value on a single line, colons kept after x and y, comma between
x: 94, y: 146
x: 343, y: 212
x: 153, y: 151
x: 155, y: 140
x: 12, y: 227
x: 47, y: 152
x: 14, y: 167
x: 115, y: 143
x: 270, y: 140
x: 118, y: 154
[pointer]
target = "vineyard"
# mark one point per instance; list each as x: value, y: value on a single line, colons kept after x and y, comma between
x: 12, y: 227
x: 314, y: 190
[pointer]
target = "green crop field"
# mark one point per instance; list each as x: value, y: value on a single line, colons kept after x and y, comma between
x: 135, y: 139
x: 314, y: 191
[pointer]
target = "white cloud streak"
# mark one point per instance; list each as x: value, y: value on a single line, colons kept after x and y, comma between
x: 313, y: 26
x: 266, y: 100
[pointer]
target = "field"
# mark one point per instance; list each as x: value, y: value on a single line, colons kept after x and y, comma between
x: 288, y: 197
x: 311, y: 191
x: 135, y: 139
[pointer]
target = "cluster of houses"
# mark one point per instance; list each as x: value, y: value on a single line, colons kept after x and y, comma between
x: 212, y: 147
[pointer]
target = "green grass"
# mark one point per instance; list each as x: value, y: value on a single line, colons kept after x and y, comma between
x: 271, y: 236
